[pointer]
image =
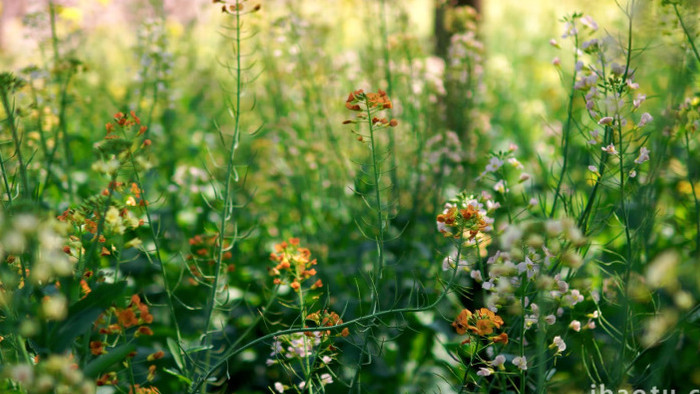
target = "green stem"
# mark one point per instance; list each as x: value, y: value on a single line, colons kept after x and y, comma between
x: 228, y: 205
x: 695, y: 196
x: 687, y: 33
x: 567, y: 131
x: 379, y: 266
x: 11, y: 121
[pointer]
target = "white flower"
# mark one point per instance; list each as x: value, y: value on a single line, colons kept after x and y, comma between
x: 500, y: 187
x: 550, y: 319
x: 590, y: 325
x: 639, y: 100
x: 528, y: 266
x: 643, y: 155
x: 554, y: 43
x: 488, y: 285
x: 610, y: 149
x: 532, y: 202
x: 633, y: 174
x: 485, y: 372
x: 605, y: 120
x: 524, y: 177
x: 326, y: 378
x: 279, y: 387
x: 556, y: 61
x: 499, y: 360
x: 632, y: 85
x: 515, y: 163
x: 589, y: 22
x: 494, y: 164
x: 646, y: 118
x: 575, y: 325
x: 326, y: 359
x: 559, y: 344
x: 520, y: 362
x: 476, y: 275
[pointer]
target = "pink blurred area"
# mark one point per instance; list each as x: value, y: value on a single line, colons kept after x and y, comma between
x: 96, y: 13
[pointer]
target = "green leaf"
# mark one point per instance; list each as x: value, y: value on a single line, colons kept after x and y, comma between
x: 174, y: 348
x: 82, y: 315
x: 182, y: 378
x: 101, y: 363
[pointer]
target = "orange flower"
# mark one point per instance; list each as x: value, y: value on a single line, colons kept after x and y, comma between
x: 155, y: 356
x: 143, y: 330
x: 96, y: 348
x: 127, y: 317
x: 461, y: 323
x: 501, y: 338
x: 151, y: 372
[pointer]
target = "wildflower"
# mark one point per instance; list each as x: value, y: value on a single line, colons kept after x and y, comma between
x: 485, y: 321
x: 639, y: 100
x: 151, y: 372
x: 643, y: 155
x: 589, y: 22
x: 326, y: 378
x: 155, y: 356
x: 499, y: 360
x: 559, y: 344
x: 326, y: 359
x: 96, y: 348
x: 556, y: 61
x: 143, y: 330
x: 575, y: 325
x: 500, y: 338
x: 494, y: 164
x: 550, y: 319
x: 529, y: 267
x: 610, y: 149
x: 279, y: 387
x: 554, y: 43
x: 607, y: 120
x: 485, y: 372
x: 500, y: 187
x: 646, y: 118
x: 520, y: 362
x: 476, y: 275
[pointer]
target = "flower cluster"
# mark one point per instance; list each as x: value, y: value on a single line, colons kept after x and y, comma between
x: 482, y: 323
x: 203, y: 257
x: 240, y: 7
x: 56, y: 374
x: 116, y: 321
x: 299, y: 347
x: 466, y: 217
x: 294, y: 265
x: 369, y: 104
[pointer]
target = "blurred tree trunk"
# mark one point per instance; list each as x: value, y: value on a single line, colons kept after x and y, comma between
x: 442, y: 36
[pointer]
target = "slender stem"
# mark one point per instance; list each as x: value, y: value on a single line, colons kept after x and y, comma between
x: 695, y: 195
x: 228, y: 205
x: 567, y: 130
x: 62, y: 112
x: 379, y: 266
x: 4, y: 179
x: 687, y: 33
x: 11, y: 121
x: 390, y: 92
